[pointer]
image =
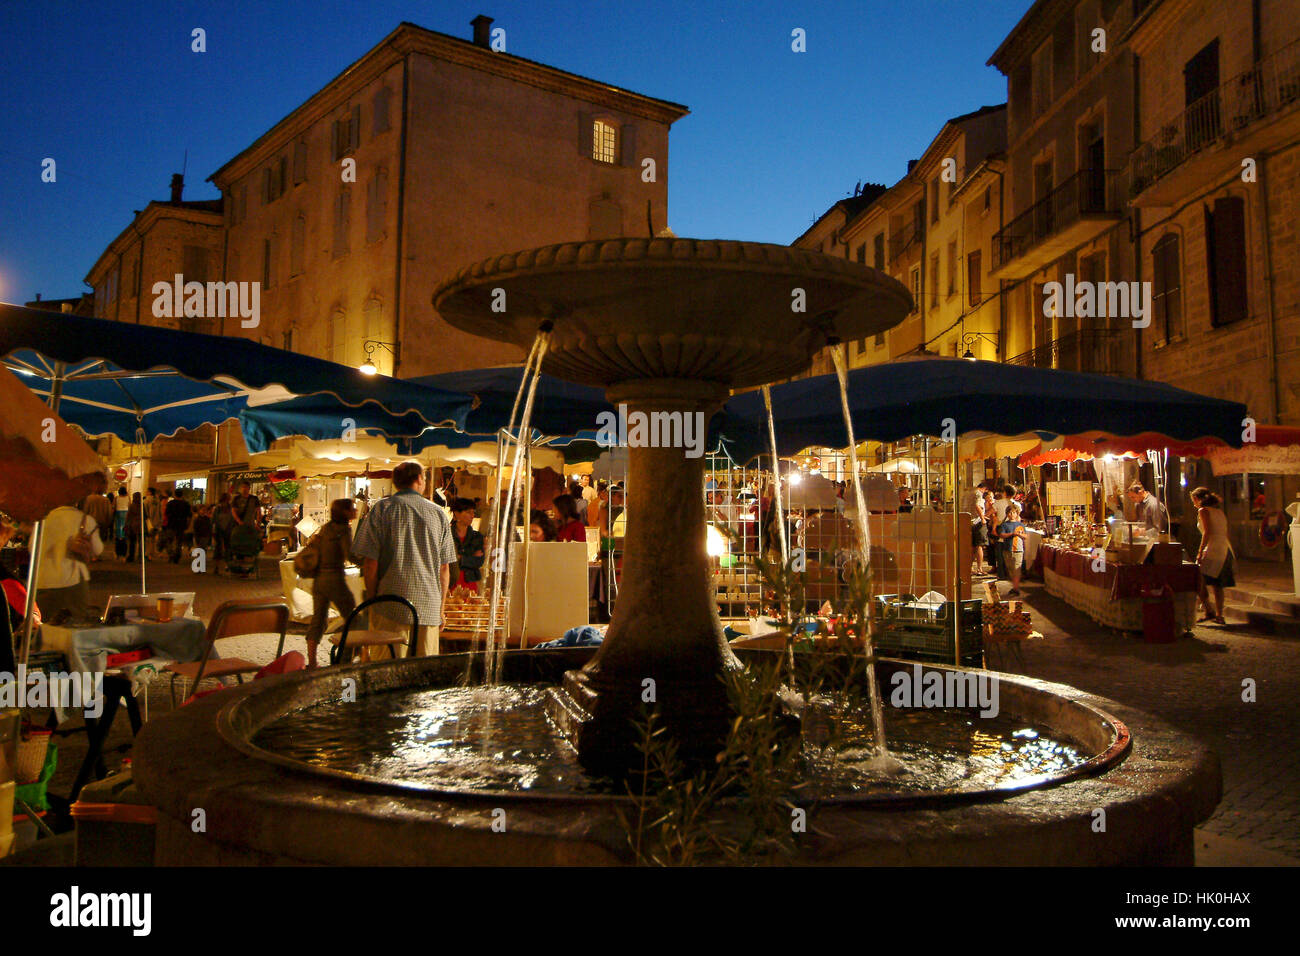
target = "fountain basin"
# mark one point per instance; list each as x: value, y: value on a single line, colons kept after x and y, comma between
x: 261, y: 808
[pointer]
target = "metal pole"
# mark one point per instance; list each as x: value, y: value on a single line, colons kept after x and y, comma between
x: 34, y: 559
x: 956, y: 554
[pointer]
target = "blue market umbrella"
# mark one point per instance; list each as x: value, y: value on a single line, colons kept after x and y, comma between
x: 139, y: 382
x: 896, y: 400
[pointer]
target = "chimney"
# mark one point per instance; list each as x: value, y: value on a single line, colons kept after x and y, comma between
x: 178, y: 184
x: 482, y: 30
x: 911, y: 164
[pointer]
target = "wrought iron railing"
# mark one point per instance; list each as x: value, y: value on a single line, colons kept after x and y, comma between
x: 1105, y: 351
x: 1088, y: 192
x: 1270, y: 87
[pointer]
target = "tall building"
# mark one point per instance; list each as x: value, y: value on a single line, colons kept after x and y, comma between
x: 963, y: 200
x: 1070, y: 123
x: 1215, y: 182
x: 428, y: 154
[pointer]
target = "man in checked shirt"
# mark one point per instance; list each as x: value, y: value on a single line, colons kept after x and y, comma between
x: 405, y: 547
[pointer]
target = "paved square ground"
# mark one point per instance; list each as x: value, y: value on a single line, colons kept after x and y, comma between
x: 1195, y: 683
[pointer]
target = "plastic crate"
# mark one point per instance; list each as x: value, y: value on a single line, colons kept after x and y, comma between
x: 926, y: 634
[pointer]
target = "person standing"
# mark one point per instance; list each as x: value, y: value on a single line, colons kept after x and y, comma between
x: 1150, y: 511
x: 134, y: 521
x: 406, y: 548
x: 70, y: 538
x: 162, y: 539
x: 1011, y: 532
x: 1214, y: 557
x: 245, y: 507
x: 469, y: 545
x: 176, y: 521
x: 330, y: 586
x: 569, y: 525
x: 98, y: 506
x: 152, y: 521
x: 223, y: 522
x: 121, y: 505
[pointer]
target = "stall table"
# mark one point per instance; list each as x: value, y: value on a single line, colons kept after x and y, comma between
x: 1114, y: 597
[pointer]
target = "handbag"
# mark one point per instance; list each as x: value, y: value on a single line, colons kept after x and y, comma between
x: 307, y: 561
x: 80, y: 546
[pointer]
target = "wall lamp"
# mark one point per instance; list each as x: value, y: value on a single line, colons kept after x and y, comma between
x: 372, y: 346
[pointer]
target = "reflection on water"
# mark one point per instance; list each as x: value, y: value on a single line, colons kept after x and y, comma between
x: 499, y: 738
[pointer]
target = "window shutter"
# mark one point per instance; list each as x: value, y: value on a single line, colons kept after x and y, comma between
x: 299, y: 162
x: 266, y: 186
x: 584, y: 134
x: 334, y: 141
x: 1229, y: 259
x: 354, y: 130
x: 628, y: 136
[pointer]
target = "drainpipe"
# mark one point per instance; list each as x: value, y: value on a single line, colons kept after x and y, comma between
x: 401, y: 209
x: 1270, y: 299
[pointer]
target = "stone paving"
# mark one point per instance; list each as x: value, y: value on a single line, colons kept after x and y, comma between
x: 1195, y: 683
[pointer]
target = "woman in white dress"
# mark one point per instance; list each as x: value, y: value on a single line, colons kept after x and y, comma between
x: 1215, y: 554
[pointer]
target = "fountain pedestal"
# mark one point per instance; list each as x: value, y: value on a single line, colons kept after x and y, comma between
x: 664, y: 647
x: 667, y: 325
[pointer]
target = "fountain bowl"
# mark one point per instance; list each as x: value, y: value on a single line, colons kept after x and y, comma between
x: 737, y: 313
x: 1153, y: 783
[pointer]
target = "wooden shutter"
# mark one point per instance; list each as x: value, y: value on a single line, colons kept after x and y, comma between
x: 354, y: 128
x: 1225, y: 240
x: 335, y: 141
x: 299, y: 162
x: 585, y: 145
x: 628, y: 145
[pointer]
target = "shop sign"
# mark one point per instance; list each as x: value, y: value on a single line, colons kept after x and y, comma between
x: 1255, y: 459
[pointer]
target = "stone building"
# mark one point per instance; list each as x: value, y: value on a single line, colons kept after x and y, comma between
x: 1070, y: 122
x: 427, y: 154
x: 1215, y: 188
x: 1215, y: 181
x: 179, y: 236
x: 963, y: 199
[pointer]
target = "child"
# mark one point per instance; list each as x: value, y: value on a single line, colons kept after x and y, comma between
x: 1011, y: 532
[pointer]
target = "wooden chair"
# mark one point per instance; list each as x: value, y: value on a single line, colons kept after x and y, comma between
x: 232, y: 619
x: 345, y: 640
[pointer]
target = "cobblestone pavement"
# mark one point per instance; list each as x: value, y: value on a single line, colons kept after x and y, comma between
x: 1195, y: 683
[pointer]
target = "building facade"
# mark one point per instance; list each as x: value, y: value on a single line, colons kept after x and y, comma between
x: 426, y: 155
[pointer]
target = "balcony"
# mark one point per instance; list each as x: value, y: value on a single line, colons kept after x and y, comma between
x: 1075, y: 212
x: 1252, y: 112
x: 1103, y: 351
x: 905, y: 240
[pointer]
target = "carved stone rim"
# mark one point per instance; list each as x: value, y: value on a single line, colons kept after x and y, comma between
x: 723, y: 254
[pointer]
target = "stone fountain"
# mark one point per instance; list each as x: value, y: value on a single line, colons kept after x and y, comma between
x: 667, y: 326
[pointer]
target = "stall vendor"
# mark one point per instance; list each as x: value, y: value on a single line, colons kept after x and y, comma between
x: 469, y: 545
x: 1150, y: 510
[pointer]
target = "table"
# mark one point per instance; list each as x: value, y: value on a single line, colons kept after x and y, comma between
x: 1113, y: 597
x: 87, y: 648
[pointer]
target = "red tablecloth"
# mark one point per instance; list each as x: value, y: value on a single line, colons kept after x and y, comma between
x: 1121, y: 580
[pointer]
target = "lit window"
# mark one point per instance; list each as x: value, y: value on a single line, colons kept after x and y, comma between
x: 604, y: 142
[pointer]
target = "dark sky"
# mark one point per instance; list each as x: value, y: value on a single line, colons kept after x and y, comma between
x: 113, y: 93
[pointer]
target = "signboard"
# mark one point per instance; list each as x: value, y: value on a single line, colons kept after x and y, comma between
x: 119, y: 475
x: 1255, y: 459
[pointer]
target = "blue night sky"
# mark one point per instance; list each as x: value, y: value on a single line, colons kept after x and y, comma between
x: 113, y: 93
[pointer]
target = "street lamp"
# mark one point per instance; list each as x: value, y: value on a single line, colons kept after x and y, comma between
x: 372, y: 346
x: 970, y: 339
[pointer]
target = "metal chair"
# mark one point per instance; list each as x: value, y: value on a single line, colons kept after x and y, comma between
x: 232, y: 619
x: 344, y: 640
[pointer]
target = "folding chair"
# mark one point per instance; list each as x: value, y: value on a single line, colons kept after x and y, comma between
x: 345, y: 640
x: 232, y: 619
